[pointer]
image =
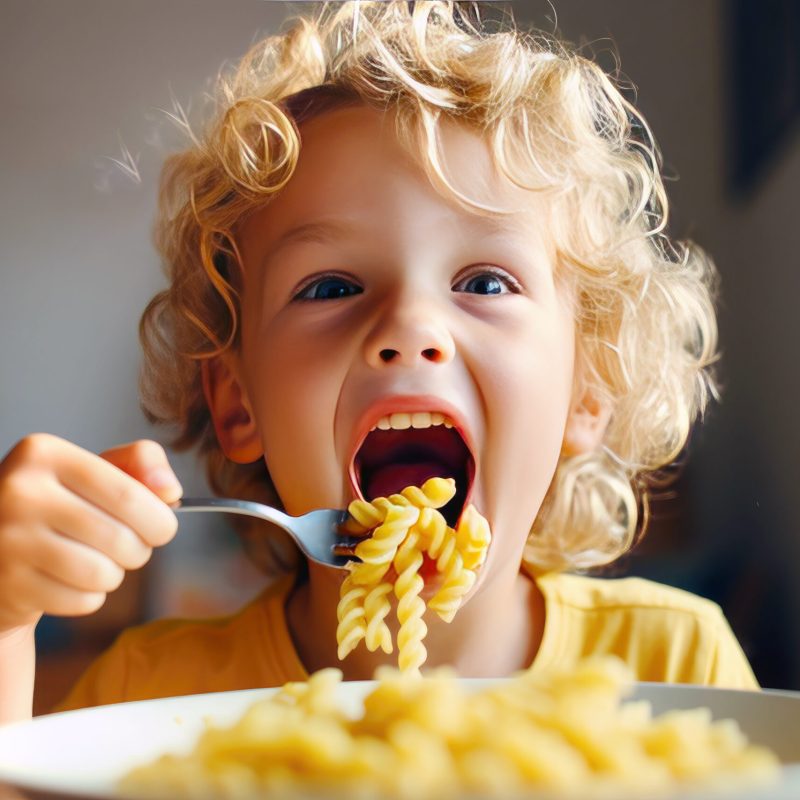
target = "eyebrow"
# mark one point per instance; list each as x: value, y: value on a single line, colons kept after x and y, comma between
x: 319, y: 232
x: 326, y: 230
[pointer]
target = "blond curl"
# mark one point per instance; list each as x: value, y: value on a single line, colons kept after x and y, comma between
x: 556, y: 125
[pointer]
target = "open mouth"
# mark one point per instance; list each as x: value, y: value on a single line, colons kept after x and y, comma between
x: 395, y: 455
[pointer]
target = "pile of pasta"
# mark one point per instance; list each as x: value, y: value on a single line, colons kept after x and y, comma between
x: 561, y: 734
x: 405, y: 527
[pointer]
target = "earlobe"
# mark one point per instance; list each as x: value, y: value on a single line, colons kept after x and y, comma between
x: 586, y: 425
x: 230, y: 409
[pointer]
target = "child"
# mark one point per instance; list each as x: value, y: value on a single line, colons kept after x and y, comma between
x: 397, y: 218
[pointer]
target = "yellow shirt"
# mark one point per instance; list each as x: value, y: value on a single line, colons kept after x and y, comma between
x: 662, y: 633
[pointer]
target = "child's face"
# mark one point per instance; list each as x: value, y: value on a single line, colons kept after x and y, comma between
x: 397, y: 300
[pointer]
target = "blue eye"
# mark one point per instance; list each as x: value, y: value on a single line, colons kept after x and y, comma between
x: 329, y: 287
x: 487, y: 282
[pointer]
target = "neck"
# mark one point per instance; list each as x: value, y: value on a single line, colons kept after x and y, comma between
x: 495, y: 633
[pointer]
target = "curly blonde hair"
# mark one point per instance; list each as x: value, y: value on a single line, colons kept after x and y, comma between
x: 556, y: 124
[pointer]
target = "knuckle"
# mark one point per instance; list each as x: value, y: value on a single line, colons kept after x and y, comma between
x: 12, y: 590
x: 128, y: 550
x: 34, y: 448
x: 90, y: 575
x: 147, y: 451
x: 127, y: 499
x: 100, y: 574
x: 113, y: 539
x: 11, y: 552
x: 107, y: 533
x: 16, y: 493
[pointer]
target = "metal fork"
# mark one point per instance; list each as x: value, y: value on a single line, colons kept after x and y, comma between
x: 317, y: 533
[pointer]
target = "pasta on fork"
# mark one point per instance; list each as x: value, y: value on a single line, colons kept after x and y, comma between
x: 405, y: 528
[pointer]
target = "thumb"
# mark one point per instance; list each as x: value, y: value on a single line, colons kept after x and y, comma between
x: 147, y: 462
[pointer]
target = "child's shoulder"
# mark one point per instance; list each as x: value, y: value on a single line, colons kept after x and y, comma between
x: 632, y: 594
x: 663, y: 633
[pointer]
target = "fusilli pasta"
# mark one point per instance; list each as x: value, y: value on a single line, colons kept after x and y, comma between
x: 406, y: 527
x: 563, y: 733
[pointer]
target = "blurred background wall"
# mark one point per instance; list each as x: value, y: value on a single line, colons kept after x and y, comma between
x: 84, y: 84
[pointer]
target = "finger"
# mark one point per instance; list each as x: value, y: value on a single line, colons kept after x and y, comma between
x: 29, y: 590
x: 146, y: 461
x: 60, y: 600
x: 73, y: 516
x: 71, y: 563
x: 105, y: 485
x: 93, y: 478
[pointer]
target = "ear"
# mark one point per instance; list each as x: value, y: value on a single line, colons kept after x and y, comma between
x: 586, y: 424
x: 230, y: 409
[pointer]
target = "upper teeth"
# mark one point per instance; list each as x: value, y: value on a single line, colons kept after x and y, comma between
x: 419, y: 419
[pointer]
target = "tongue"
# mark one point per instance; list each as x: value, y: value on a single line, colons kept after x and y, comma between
x: 393, y: 478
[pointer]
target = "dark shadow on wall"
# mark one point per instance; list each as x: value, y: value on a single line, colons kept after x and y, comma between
x: 718, y: 537
x: 764, y: 99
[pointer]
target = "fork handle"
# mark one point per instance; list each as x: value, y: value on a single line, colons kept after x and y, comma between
x: 247, y: 508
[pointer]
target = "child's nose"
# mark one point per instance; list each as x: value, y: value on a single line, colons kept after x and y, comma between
x: 407, y: 337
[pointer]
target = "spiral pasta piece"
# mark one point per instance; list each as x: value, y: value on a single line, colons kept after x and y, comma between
x: 434, y: 493
x: 442, y: 546
x: 462, y: 553
x: 437, y: 539
x: 472, y: 537
x: 457, y: 582
x: 432, y: 529
x: 377, y: 554
x: 368, y: 575
x: 364, y: 516
x: 563, y: 733
x: 352, y: 625
x: 376, y: 609
x: 405, y: 527
x: 410, y: 606
x: 381, y: 547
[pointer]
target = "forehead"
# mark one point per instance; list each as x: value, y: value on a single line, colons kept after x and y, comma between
x: 353, y: 167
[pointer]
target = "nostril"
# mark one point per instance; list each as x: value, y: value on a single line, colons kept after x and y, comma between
x: 389, y: 354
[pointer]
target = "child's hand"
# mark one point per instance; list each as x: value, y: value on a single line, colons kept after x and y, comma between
x: 72, y: 523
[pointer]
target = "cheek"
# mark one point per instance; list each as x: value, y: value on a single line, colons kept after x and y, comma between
x: 527, y: 397
x: 295, y: 390
x: 527, y: 427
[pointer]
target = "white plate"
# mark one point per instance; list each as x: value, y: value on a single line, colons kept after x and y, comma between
x: 84, y: 753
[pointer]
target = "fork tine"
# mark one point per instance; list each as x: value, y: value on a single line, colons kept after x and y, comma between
x: 319, y: 536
